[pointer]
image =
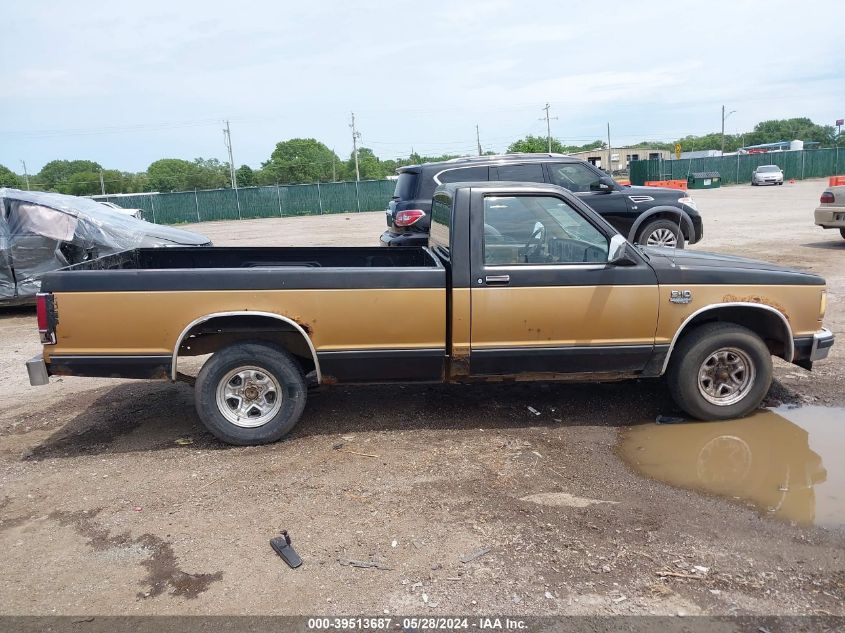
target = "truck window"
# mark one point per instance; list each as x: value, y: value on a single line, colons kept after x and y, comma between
x: 538, y: 230
x: 573, y: 176
x: 462, y: 174
x: 441, y: 217
x: 521, y: 173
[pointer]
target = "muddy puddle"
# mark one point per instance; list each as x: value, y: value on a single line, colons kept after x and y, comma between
x: 788, y: 462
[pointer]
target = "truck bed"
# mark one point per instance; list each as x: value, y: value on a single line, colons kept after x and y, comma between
x: 251, y: 268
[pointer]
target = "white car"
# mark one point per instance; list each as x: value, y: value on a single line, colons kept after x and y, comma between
x: 767, y: 175
x: 135, y: 213
x: 830, y: 214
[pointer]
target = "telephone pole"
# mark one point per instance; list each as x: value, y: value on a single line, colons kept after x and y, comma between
x: 547, y: 119
x: 478, y: 139
x: 102, y: 184
x: 25, y: 175
x: 609, y: 159
x: 724, y: 116
x: 227, y: 138
x: 355, y: 136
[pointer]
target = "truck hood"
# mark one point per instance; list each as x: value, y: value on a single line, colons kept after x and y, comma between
x: 658, y: 193
x: 697, y: 267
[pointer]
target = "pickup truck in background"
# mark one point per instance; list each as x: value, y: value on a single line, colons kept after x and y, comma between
x: 519, y: 281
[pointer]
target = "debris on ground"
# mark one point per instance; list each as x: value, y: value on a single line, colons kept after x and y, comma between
x: 474, y: 555
x: 282, y: 546
x: 563, y: 500
x: 363, y: 564
x: 184, y: 441
x: 669, y: 419
x: 533, y: 410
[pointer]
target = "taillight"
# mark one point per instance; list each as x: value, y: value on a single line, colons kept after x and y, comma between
x: 827, y: 197
x: 409, y: 217
x: 43, y: 307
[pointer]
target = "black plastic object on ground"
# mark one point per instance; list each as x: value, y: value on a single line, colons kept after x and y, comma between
x: 281, y: 545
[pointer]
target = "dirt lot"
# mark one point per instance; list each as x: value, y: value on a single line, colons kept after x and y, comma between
x: 403, y: 500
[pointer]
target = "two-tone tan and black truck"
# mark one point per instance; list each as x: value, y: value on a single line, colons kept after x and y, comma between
x: 518, y: 282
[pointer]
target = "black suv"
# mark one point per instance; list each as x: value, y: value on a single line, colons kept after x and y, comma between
x: 645, y: 215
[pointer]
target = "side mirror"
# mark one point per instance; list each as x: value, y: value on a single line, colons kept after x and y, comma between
x: 605, y: 185
x: 617, y: 252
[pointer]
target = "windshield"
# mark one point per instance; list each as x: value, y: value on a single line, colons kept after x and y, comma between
x: 765, y: 168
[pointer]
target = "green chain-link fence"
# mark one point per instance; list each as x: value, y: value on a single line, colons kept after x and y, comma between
x: 816, y: 163
x: 259, y: 202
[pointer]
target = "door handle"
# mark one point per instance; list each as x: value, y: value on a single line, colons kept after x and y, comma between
x: 497, y: 280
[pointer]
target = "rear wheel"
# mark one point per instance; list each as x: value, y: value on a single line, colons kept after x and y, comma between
x: 842, y: 232
x: 250, y: 393
x: 720, y: 371
x: 663, y: 233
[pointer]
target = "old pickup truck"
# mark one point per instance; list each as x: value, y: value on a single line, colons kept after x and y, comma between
x: 520, y: 281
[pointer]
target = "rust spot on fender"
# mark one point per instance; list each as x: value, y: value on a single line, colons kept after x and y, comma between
x: 756, y: 299
x: 326, y: 379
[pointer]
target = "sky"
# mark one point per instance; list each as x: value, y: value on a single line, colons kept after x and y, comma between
x: 126, y: 83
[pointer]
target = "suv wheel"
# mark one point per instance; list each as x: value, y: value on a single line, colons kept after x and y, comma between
x: 663, y: 233
x: 842, y: 232
x: 720, y: 371
x: 250, y: 393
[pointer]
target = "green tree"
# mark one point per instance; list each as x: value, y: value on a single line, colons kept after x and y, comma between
x: 299, y: 160
x: 171, y: 174
x: 369, y: 165
x: 246, y: 177
x: 56, y: 174
x: 535, y: 144
x: 8, y: 178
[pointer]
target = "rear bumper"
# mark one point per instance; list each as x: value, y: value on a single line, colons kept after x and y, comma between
x: 403, y: 239
x: 37, y: 370
x: 828, y: 218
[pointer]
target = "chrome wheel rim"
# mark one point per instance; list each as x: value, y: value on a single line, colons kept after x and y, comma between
x: 726, y: 376
x: 662, y: 237
x: 249, y: 397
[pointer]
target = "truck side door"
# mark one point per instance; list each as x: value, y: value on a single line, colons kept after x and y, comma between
x: 543, y: 297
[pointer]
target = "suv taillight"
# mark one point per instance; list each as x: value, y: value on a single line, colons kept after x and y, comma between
x: 46, y: 318
x: 409, y: 217
x: 827, y: 197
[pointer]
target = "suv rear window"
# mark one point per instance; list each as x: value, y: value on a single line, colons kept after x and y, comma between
x: 462, y: 174
x: 406, y: 186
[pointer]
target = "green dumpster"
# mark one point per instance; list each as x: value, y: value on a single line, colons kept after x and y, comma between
x: 704, y: 180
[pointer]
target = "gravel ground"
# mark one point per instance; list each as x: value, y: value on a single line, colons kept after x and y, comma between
x: 415, y: 499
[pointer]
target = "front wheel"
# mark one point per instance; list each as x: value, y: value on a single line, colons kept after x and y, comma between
x: 663, y: 233
x: 250, y: 393
x: 720, y: 371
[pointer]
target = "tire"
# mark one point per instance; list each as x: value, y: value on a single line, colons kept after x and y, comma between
x: 700, y: 354
x: 842, y: 232
x: 660, y: 228
x: 224, y: 390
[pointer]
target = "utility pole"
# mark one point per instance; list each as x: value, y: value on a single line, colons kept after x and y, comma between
x: 25, y: 175
x: 355, y: 136
x: 547, y: 119
x: 478, y: 139
x: 227, y: 138
x: 102, y: 184
x: 724, y: 116
x: 334, y: 167
x: 609, y: 159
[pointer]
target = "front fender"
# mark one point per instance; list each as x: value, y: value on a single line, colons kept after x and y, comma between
x: 686, y: 221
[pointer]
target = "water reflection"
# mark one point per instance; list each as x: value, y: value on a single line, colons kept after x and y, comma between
x: 775, y: 459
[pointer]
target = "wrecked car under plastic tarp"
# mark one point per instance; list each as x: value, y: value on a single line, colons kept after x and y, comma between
x: 40, y: 232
